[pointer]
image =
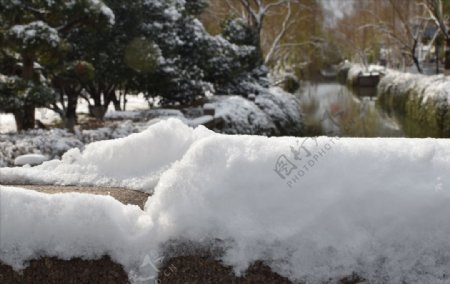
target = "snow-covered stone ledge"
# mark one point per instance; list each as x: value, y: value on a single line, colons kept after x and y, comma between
x: 348, y: 72
x: 311, y: 209
x: 420, y: 99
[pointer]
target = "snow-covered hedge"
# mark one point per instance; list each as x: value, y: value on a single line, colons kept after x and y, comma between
x: 421, y: 100
x: 374, y: 207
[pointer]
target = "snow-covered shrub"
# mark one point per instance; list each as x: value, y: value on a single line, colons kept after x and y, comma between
x: 237, y: 31
x: 274, y: 113
x: 241, y: 116
x: 284, y: 110
x: 421, y: 101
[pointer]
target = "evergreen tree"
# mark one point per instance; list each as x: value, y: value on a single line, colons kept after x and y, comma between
x: 33, y: 33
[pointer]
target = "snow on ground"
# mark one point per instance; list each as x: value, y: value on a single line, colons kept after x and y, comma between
x: 312, y: 209
x: 7, y: 123
x: 136, y: 161
x: 273, y: 113
x: 55, y: 142
x: 51, y: 143
x: 135, y: 104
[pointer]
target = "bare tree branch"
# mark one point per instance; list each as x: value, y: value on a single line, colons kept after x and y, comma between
x: 284, y: 29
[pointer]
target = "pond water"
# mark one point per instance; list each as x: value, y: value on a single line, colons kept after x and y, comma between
x: 335, y: 110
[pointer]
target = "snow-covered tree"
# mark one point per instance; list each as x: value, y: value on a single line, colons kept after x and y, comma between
x: 192, y: 60
x: 32, y: 35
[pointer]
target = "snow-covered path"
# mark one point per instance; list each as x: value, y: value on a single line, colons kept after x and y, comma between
x: 312, y: 209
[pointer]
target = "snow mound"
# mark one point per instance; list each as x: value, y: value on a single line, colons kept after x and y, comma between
x: 354, y: 205
x: 134, y: 162
x: 67, y: 226
x: 313, y: 209
x: 30, y: 159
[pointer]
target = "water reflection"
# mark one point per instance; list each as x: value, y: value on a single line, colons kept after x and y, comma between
x: 333, y: 109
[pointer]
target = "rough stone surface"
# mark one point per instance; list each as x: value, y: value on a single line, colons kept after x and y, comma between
x: 56, y: 271
x: 189, y: 269
x: 123, y: 195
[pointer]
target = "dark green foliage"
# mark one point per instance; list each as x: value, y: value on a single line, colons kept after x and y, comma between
x: 18, y: 93
x: 239, y: 32
x: 156, y: 47
x: 196, y: 7
x: 142, y: 55
x: 34, y: 34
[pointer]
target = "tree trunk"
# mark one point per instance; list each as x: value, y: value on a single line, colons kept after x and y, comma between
x: 447, y: 57
x: 115, y: 101
x: 416, y: 62
x: 95, y: 110
x: 436, y: 56
x: 25, y: 117
x: 414, y: 57
x: 70, y: 116
x: 27, y: 72
x: 124, y: 101
x: 258, y: 45
x: 98, y: 111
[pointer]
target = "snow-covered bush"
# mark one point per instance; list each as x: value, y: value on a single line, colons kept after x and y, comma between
x: 241, y: 116
x: 421, y: 101
x: 273, y: 113
x: 284, y: 111
x: 237, y: 31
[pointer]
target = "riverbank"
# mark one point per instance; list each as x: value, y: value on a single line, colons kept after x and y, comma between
x: 420, y: 102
